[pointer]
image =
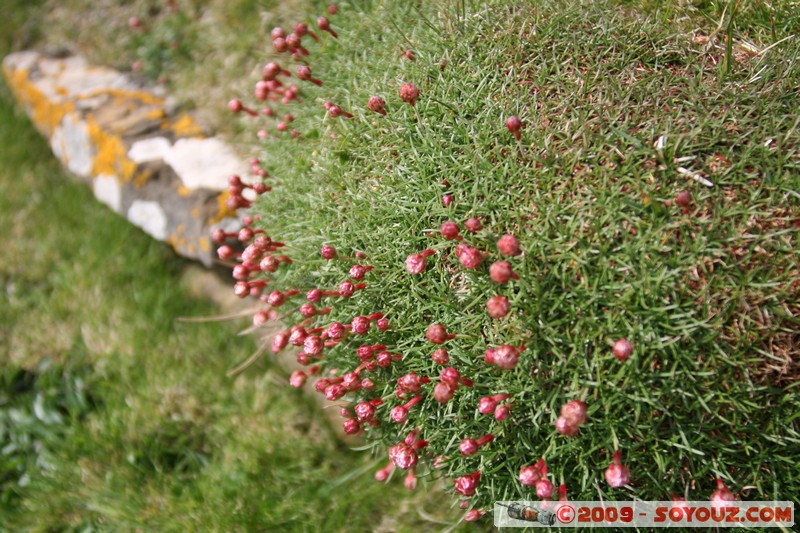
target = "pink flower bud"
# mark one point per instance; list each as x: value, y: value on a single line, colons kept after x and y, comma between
x: 440, y: 357
x: 617, y: 474
x: 443, y: 392
x: 471, y: 446
x: 275, y: 298
x: 327, y: 252
x: 409, y: 93
x: 297, y: 379
x: 410, y: 481
x: 497, y: 306
x: 466, y: 485
x: 403, y: 456
x: 383, y: 359
x: 399, y: 414
x: 357, y: 272
x: 622, y: 349
x: 564, y: 427
x: 529, y: 475
x: 260, y: 318
x: 447, y: 200
x: 314, y: 295
x: 437, y: 334
x: 364, y: 411
x: 324, y: 24
x: 225, y: 252
x: 383, y: 474
x: 382, y: 324
x: 416, y: 263
x: 450, y: 230
x: 360, y: 325
x: 514, y: 124
x: 506, y: 356
x: 351, y: 426
x: 351, y: 381
x: 502, y: 412
x: 346, y: 289
x: 377, y: 105
x: 470, y: 258
x: 279, y: 341
x: 269, y: 264
x: 473, y: 225
x: 411, y: 382
x: 544, y: 489
x: 721, y: 495
x: 473, y: 515
x: 508, y: 245
x: 297, y: 336
x: 487, y: 405
x: 451, y: 376
x: 336, y: 331
x: 501, y: 272
x: 683, y: 199
x: 575, y: 412
x: 334, y: 392
x: 468, y: 447
x: 313, y: 345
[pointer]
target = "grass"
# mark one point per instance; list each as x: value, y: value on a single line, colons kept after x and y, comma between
x: 113, y: 415
x: 707, y: 297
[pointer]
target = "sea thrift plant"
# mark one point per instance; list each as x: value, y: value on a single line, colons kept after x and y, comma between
x: 553, y: 250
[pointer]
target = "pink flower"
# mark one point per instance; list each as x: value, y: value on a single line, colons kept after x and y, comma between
x: 617, y: 474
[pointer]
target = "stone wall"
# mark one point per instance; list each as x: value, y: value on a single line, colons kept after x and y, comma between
x: 151, y: 165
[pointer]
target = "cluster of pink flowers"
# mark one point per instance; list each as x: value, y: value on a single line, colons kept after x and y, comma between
x: 314, y: 334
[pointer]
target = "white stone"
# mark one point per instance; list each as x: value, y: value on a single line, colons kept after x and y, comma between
x: 53, y: 66
x: 70, y: 143
x: 150, y: 217
x: 206, y: 163
x: 108, y: 191
x: 153, y: 149
x: 21, y: 60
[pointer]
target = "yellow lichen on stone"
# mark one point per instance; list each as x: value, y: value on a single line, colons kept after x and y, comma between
x: 185, y: 126
x: 178, y: 241
x: 184, y: 191
x: 155, y: 114
x: 111, y: 154
x: 45, y: 114
x: 205, y: 244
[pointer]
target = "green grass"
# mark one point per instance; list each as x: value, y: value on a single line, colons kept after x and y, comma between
x: 114, y: 416
x: 708, y: 298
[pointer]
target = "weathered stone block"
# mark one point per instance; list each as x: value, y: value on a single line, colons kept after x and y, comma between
x: 154, y: 168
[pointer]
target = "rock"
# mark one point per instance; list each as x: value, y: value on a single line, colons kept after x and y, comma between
x: 140, y: 158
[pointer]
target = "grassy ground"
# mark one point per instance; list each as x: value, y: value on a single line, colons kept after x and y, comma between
x: 708, y: 297
x: 113, y: 416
